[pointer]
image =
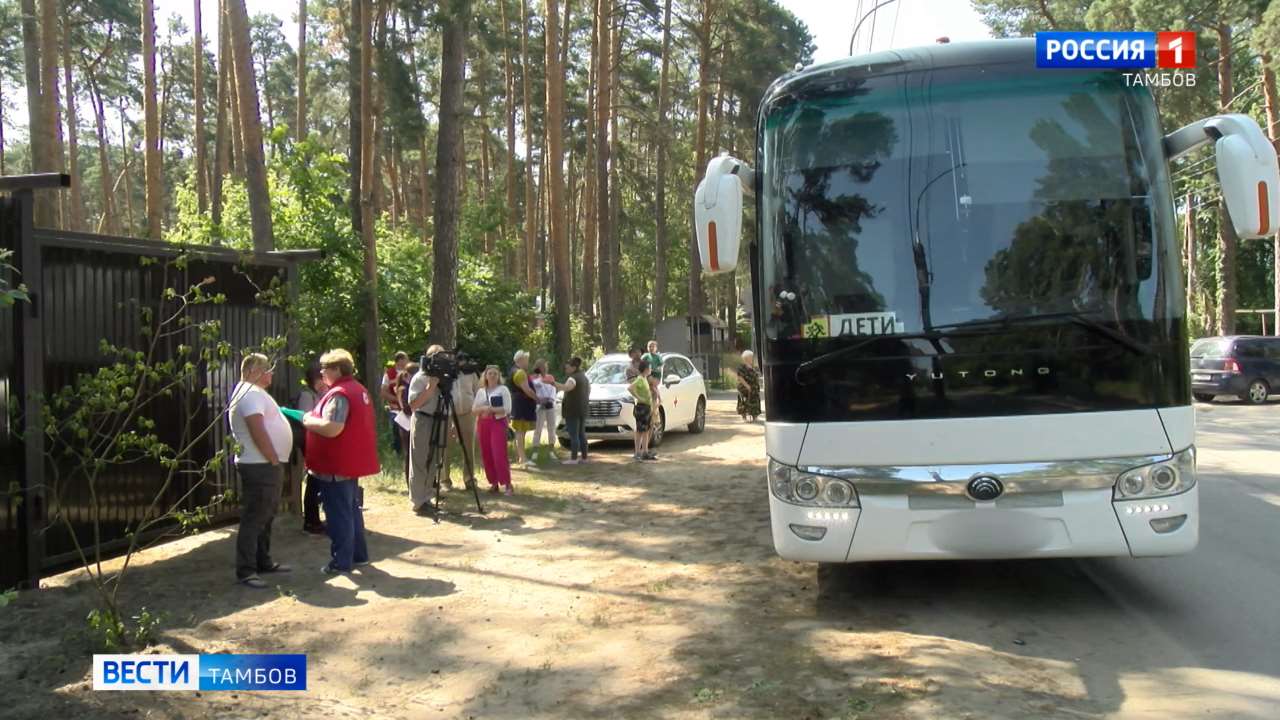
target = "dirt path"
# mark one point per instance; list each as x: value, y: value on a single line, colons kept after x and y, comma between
x: 606, y: 590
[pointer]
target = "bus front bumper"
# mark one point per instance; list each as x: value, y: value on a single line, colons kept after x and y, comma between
x: 1069, y: 523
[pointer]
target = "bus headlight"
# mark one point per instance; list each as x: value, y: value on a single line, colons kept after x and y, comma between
x: 791, y: 484
x: 1170, y: 477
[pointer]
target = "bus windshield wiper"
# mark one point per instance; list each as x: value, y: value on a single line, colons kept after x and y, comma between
x: 1078, y: 318
x: 938, y: 332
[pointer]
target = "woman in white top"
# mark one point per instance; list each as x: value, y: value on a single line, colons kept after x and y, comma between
x: 492, y: 406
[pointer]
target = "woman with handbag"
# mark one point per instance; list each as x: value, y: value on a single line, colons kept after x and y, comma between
x: 492, y: 408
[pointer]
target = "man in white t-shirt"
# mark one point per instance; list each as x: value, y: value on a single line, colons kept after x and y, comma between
x: 264, y: 438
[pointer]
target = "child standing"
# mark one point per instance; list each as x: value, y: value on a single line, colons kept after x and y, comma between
x: 643, y: 396
x: 544, y: 386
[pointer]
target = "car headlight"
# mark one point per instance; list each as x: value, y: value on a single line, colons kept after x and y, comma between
x: 791, y: 484
x: 1169, y: 477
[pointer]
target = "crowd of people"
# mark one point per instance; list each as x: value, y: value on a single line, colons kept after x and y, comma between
x: 333, y: 438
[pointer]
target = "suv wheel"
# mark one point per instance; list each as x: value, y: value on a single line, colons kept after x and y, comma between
x: 699, y: 417
x: 1203, y: 397
x: 1258, y: 392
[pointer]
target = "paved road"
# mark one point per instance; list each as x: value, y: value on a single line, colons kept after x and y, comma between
x: 1190, y: 636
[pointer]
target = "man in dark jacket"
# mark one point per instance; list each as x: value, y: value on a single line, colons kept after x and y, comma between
x: 575, y: 408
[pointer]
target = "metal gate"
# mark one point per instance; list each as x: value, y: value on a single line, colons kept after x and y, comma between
x: 80, y: 286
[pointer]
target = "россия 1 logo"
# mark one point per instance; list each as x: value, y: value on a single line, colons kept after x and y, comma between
x: 1125, y: 50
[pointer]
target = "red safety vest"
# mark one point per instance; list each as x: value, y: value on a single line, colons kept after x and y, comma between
x: 354, y: 452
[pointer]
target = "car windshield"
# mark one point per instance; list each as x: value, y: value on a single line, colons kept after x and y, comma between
x: 1211, y: 348
x: 608, y: 373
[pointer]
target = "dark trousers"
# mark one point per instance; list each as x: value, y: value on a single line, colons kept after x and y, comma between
x: 260, y: 487
x: 311, y: 502
x: 577, y: 428
x: 346, y: 523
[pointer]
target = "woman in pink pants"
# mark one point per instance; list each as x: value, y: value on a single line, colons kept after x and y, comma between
x: 493, y: 403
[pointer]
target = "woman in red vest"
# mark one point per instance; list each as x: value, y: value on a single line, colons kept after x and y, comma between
x: 342, y: 447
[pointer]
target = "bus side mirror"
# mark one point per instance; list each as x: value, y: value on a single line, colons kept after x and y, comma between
x: 717, y: 213
x: 1248, y: 173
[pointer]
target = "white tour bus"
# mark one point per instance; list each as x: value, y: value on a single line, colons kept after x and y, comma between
x: 968, y: 308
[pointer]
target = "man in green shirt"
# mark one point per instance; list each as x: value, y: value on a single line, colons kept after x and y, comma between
x: 640, y: 392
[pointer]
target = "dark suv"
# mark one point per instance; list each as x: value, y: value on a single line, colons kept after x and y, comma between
x: 1244, y: 366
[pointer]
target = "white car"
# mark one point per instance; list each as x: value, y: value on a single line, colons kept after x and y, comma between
x: 683, y: 400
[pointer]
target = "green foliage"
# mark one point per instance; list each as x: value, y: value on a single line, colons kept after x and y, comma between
x: 9, y: 295
x: 8, y: 596
x: 108, y: 632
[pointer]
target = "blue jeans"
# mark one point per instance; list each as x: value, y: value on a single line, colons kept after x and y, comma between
x: 577, y: 428
x: 346, y: 523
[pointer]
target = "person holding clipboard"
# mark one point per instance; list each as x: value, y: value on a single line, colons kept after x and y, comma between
x: 492, y: 408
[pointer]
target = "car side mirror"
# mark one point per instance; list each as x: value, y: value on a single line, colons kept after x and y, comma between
x: 1248, y: 173
x: 672, y: 379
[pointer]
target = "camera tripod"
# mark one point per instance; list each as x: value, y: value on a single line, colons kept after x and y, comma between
x: 438, y: 444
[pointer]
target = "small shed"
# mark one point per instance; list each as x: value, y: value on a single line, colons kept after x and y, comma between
x: 703, y: 338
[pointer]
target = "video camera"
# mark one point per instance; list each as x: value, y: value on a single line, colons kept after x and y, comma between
x: 448, y: 364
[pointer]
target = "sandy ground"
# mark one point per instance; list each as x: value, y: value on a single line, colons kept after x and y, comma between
x: 606, y: 590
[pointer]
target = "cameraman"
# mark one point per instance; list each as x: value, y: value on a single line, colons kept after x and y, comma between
x: 424, y: 400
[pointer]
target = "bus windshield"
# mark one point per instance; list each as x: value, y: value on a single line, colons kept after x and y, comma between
x: 896, y: 203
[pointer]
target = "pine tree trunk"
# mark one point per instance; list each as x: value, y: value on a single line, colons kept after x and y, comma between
x: 44, y: 204
x: 559, y: 241
x: 510, y: 226
x: 616, y: 301
x: 75, y: 202
x: 254, y: 162
x: 355, y: 133
x: 2, y: 101
x: 1271, y: 104
x: 300, y: 123
x: 151, y: 126
x: 660, y: 189
x: 52, y: 115
x: 1226, y: 234
x: 108, y: 223
x: 233, y: 92
x: 453, y: 62
x: 531, y: 279
x: 201, y: 168
x: 221, y: 132
x: 587, y: 288
x: 697, y: 297
x: 126, y: 149
x: 604, y: 228
x: 368, y: 148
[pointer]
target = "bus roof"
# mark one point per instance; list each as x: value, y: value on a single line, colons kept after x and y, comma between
x: 856, y: 67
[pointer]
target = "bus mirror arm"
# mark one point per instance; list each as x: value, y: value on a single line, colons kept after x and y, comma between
x: 1248, y: 171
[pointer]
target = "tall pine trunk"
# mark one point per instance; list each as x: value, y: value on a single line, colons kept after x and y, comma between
x: 75, y: 203
x: 201, y: 167
x: 510, y: 228
x: 587, y: 288
x: 604, y: 228
x: 151, y: 127
x: 660, y: 190
x: 1270, y: 102
x: 616, y: 301
x: 531, y: 278
x: 251, y: 126
x: 51, y: 116
x: 453, y: 62
x: 222, y: 130
x: 44, y: 203
x: 355, y: 132
x: 300, y: 122
x: 559, y: 241
x: 697, y: 296
x: 368, y: 148
x: 108, y: 223
x: 1226, y: 234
